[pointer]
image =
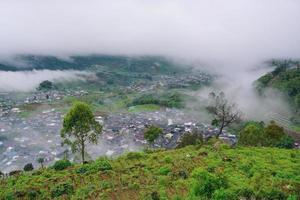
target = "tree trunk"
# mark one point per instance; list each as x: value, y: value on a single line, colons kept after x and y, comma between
x: 82, y: 152
x: 220, y: 131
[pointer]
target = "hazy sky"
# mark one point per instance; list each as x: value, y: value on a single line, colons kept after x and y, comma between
x: 238, y: 31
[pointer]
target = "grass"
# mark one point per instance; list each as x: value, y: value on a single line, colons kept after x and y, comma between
x: 208, y: 172
x: 144, y: 108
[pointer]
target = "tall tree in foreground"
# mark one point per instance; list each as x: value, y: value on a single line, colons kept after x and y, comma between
x: 225, y: 113
x: 80, y: 128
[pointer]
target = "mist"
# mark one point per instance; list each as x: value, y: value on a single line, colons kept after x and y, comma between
x: 26, y: 81
x: 230, y: 38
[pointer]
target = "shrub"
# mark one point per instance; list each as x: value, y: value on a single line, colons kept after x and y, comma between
x: 286, y: 142
x: 251, y: 135
x: 271, y: 194
x: 192, y: 138
x: 134, y: 155
x: 273, y: 134
x: 28, y: 167
x: 205, y: 183
x: 245, y: 193
x: 61, y: 164
x: 102, y: 164
x: 62, y: 189
x: 152, y: 133
x: 165, y: 170
x: 223, y: 194
x: 33, y: 194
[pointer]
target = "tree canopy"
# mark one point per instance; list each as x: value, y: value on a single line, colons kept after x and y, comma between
x: 224, y: 112
x: 80, y: 127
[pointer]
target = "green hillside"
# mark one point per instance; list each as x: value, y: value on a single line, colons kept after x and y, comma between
x: 209, y: 172
x: 285, y: 77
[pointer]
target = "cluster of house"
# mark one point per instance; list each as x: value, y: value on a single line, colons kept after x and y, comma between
x: 27, y: 139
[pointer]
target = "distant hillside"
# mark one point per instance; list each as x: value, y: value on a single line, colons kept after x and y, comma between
x: 286, y: 78
x: 134, y: 64
x: 210, y: 172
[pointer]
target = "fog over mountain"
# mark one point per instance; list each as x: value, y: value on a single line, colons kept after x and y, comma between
x: 229, y: 37
x: 235, y: 31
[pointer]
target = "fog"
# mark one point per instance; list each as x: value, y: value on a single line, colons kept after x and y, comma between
x: 26, y: 81
x: 230, y: 37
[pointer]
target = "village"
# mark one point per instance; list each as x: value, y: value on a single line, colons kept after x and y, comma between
x: 23, y: 140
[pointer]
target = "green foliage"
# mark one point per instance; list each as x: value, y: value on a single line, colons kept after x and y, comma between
x: 165, y: 170
x: 79, y: 127
x: 251, y: 135
x: 62, y: 189
x: 285, y: 77
x: 256, y: 134
x: 205, y: 183
x: 223, y: 194
x: 273, y: 134
x: 101, y: 164
x: 46, y: 85
x: 61, y: 164
x: 168, y: 99
x: 152, y: 132
x: 28, y: 167
x: 286, y: 142
x: 192, y: 138
x: 41, y: 161
x: 190, y: 173
x: 135, y: 155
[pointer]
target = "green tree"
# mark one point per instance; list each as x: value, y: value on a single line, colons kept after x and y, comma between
x: 41, y: 161
x: 80, y: 127
x: 46, y: 85
x: 28, y: 167
x: 251, y: 135
x: 152, y: 133
x: 224, y: 112
x: 273, y: 134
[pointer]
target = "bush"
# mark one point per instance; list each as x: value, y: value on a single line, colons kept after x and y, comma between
x: 205, y: 183
x: 169, y: 99
x: 271, y: 194
x: 223, y: 194
x: 62, y: 189
x: 61, y: 164
x: 251, y: 135
x: 101, y: 164
x: 28, y: 167
x: 273, y: 134
x: 165, y: 170
x: 286, y: 142
x: 192, y: 138
x: 134, y: 155
x: 152, y: 133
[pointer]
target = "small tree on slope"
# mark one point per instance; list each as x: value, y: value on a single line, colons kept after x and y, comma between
x: 80, y: 128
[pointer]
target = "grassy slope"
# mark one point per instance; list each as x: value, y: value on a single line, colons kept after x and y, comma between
x: 263, y: 171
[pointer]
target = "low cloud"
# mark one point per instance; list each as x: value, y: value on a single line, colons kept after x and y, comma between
x: 26, y: 81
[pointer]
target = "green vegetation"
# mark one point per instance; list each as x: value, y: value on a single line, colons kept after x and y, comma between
x: 285, y: 77
x: 257, y: 134
x: 28, y: 167
x: 192, y: 138
x: 193, y: 172
x: 224, y: 112
x: 46, y: 85
x: 152, y: 133
x: 80, y: 127
x: 61, y: 164
x: 167, y: 99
